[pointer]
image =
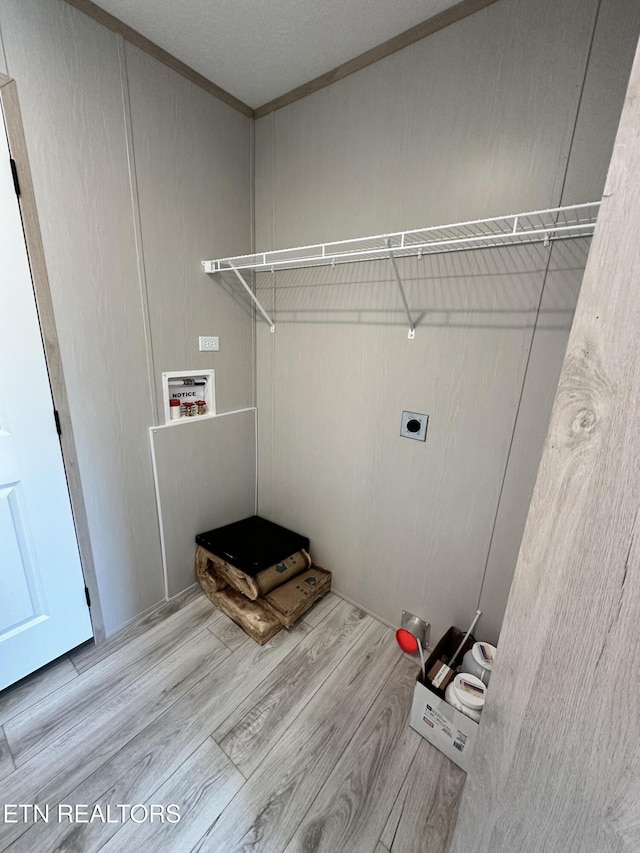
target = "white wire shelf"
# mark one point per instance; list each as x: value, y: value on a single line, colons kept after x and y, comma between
x: 546, y: 226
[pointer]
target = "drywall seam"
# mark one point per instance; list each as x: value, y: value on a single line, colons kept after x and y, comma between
x: 156, y: 486
x: 542, y: 290
x: 274, y: 237
x: 3, y: 56
x: 252, y: 235
x: 137, y: 229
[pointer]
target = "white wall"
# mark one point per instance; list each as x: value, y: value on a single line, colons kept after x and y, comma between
x: 475, y: 120
x: 138, y: 175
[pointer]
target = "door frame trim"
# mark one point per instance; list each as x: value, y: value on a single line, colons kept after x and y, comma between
x: 44, y: 305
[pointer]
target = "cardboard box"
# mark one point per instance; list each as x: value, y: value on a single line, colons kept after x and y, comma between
x: 289, y: 601
x: 440, y: 676
x: 450, y: 731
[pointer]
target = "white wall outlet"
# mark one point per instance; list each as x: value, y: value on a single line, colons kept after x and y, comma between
x: 414, y: 425
x: 208, y: 344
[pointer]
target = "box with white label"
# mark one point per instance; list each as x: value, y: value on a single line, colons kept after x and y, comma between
x: 450, y: 731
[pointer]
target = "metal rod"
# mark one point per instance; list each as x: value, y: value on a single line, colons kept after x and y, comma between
x: 466, y: 636
x: 253, y: 297
x: 412, y: 328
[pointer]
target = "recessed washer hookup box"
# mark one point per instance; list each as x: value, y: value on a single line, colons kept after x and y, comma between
x: 450, y: 731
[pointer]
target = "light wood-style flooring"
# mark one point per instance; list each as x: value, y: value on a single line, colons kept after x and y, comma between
x: 299, y: 745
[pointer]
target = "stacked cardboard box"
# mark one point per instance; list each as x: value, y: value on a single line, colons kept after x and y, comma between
x: 250, y: 572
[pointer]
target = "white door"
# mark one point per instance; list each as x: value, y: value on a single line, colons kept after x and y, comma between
x: 43, y: 609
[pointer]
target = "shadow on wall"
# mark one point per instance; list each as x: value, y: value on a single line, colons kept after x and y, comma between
x: 488, y: 288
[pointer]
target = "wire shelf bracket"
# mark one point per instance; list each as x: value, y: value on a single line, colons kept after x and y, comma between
x: 537, y: 226
x: 412, y: 329
x: 255, y: 299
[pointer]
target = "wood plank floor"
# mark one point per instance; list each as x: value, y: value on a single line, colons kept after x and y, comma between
x: 300, y: 745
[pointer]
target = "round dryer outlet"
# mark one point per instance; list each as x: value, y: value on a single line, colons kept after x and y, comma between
x: 414, y: 425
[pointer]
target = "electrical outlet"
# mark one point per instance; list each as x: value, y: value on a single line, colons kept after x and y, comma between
x: 209, y: 344
x: 414, y: 425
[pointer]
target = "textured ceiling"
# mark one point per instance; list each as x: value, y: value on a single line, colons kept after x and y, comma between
x: 258, y: 50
